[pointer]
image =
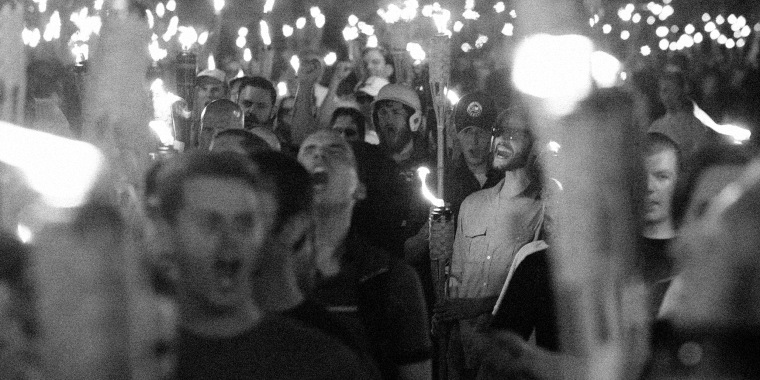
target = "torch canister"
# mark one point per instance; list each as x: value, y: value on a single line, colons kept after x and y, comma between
x: 441, y: 247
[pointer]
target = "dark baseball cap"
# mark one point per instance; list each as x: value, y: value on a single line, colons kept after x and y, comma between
x: 475, y: 110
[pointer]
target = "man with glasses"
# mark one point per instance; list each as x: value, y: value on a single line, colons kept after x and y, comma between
x: 493, y: 224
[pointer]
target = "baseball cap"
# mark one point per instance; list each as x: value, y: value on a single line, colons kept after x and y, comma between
x: 475, y: 110
x: 214, y: 74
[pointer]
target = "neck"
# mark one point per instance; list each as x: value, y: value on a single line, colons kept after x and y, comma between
x: 405, y: 153
x: 229, y: 324
x: 480, y: 168
x: 659, y: 230
x: 332, y: 225
x: 515, y: 182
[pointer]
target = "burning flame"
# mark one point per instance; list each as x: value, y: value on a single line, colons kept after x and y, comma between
x: 211, y: 63
x: 416, y: 52
x: 264, y: 30
x: 247, y: 55
x: 156, y: 52
x: 295, y: 62
x: 53, y: 28
x: 202, y: 38
x: 171, y: 5
x: 287, y: 30
x: 440, y: 17
x: 372, y: 41
x: 282, y: 89
x: 738, y: 134
x: 394, y: 13
x: 187, y: 37
x: 171, y: 30
x: 268, y: 6
x: 330, y: 58
x: 301, y: 22
x: 350, y: 33
x: 162, y: 112
x: 218, y: 6
x: 160, y: 10
x: 31, y: 37
x: 423, y: 172
x: 61, y: 170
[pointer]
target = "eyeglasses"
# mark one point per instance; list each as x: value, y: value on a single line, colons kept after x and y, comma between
x: 510, y: 134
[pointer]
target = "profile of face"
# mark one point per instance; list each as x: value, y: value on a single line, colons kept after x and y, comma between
x: 661, y: 171
x: 512, y: 143
x: 217, y: 237
x: 393, y: 126
x: 671, y: 94
x: 329, y: 160
x: 257, y: 106
x: 345, y: 125
x: 375, y: 63
x: 476, y: 146
x: 208, y: 90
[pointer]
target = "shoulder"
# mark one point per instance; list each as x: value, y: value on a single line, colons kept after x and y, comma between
x: 478, y: 199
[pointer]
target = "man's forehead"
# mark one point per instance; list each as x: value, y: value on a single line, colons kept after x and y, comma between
x: 209, y: 82
x: 391, y: 104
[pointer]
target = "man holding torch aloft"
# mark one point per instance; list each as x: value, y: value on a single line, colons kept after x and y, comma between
x: 493, y: 225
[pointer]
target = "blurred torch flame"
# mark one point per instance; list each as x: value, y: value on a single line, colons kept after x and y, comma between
x: 268, y: 6
x: 423, y: 172
x: 738, y: 134
x: 187, y: 37
x: 264, y: 30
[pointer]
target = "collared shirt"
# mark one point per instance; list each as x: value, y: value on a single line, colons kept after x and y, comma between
x: 490, y: 231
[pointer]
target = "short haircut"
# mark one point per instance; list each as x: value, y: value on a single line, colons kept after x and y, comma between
x: 710, y: 155
x: 225, y: 111
x: 657, y: 142
x: 293, y: 187
x: 223, y: 165
x: 355, y: 115
x: 251, y: 143
x: 259, y: 82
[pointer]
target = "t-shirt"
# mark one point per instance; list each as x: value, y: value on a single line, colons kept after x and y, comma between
x: 276, y: 348
x: 657, y: 269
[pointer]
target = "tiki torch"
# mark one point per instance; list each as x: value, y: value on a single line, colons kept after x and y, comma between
x: 439, y: 69
x: 442, y: 232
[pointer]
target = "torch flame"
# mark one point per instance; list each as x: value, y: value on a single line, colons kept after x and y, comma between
x: 211, y: 63
x: 423, y: 172
x: 295, y: 62
x: 739, y: 134
x: 268, y: 6
x: 264, y: 30
x: 187, y: 37
x: 218, y: 6
x: 441, y: 18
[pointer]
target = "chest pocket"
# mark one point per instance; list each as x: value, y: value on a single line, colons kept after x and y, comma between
x: 477, y: 240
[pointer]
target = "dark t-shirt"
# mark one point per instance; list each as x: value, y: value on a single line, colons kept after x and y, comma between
x: 657, y: 268
x: 277, y: 348
x: 383, y: 295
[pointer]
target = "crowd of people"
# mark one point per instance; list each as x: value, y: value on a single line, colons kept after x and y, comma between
x: 293, y: 240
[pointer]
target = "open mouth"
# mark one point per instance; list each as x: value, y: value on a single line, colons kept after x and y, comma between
x: 502, y: 152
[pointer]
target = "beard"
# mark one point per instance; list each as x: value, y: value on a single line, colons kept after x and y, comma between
x: 251, y: 121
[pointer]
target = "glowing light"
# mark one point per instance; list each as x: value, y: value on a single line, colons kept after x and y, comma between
x: 24, y: 233
x: 331, y: 58
x: 282, y: 89
x: 156, y: 52
x: 352, y: 20
x: 97, y: 5
x: 624, y: 14
x: 416, y: 52
x: 745, y: 32
x: 480, y: 41
x: 556, y: 68
x: 730, y: 43
x: 148, y: 13
x: 698, y: 38
x: 667, y: 11
x: 295, y: 63
x: 499, y: 7
x: 731, y: 18
x: 686, y: 41
x: 394, y: 13
x: 722, y: 39
x: 741, y: 20
x: 715, y: 34
x: 757, y: 27
x: 171, y: 30
x: 651, y: 20
x: 243, y: 32
x: 211, y: 64
x: 160, y: 10
x: 202, y: 38
x: 740, y: 43
x: 350, y: 33
x: 42, y: 5
x: 187, y: 37
x: 218, y: 6
x: 440, y: 18
x: 240, y: 73
x: 508, y: 29
x: 366, y: 29
x: 605, y: 69
x: 81, y: 52
x: 470, y: 14
x: 655, y: 8
x: 664, y: 43
x: 673, y: 46
x: 452, y: 96
x: 710, y: 26
x: 706, y: 17
x: 689, y: 29
x: 422, y: 173
x: 171, y: 5
x: 466, y: 47
x: 636, y: 18
x: 301, y: 22
x: 624, y: 35
x: 268, y: 6
x: 737, y: 34
x: 31, y: 38
x: 61, y: 170
x: 720, y: 20
x: 662, y: 31
x: 264, y: 30
x: 646, y: 50
x: 674, y: 29
x: 371, y: 41
x: 53, y: 28
x: 606, y: 28
x: 738, y: 134
x: 287, y: 30
x: 240, y: 42
x: 458, y: 26
x: 553, y: 146
x: 319, y: 21
x: 247, y: 55
x: 314, y: 11
x: 513, y: 13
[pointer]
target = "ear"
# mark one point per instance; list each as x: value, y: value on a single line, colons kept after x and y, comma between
x: 360, y: 193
